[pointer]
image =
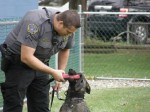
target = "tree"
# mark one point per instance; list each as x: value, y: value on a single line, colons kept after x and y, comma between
x: 73, y: 4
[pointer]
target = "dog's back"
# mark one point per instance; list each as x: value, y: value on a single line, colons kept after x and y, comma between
x: 74, y: 101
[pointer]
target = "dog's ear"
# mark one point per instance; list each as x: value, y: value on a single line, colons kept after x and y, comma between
x: 88, y: 88
x: 82, y: 85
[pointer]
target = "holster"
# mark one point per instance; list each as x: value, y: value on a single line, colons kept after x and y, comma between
x: 5, y: 58
x: 5, y: 63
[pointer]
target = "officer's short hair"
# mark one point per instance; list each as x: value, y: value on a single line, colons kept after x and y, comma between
x: 70, y: 18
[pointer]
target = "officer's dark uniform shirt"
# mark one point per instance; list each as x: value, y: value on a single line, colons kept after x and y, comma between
x: 35, y: 31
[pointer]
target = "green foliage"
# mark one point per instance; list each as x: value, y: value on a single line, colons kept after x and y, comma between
x: 96, y: 41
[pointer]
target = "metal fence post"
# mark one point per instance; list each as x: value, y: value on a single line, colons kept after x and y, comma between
x: 80, y: 41
x: 128, y: 26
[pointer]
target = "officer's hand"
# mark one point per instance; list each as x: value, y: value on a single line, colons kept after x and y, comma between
x: 57, y: 86
x: 57, y: 75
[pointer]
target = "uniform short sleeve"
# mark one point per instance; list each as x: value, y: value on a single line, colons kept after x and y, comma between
x: 70, y: 42
x: 29, y: 33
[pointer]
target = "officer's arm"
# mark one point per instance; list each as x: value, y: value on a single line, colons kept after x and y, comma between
x: 27, y: 57
x: 63, y: 56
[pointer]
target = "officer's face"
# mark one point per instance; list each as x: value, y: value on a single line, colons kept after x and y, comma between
x: 65, y: 31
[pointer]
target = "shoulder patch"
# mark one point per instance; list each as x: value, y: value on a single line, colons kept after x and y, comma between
x: 32, y: 28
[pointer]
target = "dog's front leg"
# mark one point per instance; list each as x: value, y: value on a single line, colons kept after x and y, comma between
x: 65, y: 108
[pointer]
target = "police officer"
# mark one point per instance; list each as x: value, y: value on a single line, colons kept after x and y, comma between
x: 40, y: 34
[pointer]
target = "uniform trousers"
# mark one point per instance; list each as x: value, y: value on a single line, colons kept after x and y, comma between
x: 21, y: 82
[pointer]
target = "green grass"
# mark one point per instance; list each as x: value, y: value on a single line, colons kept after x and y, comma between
x: 120, y: 64
x: 115, y: 100
x: 120, y: 100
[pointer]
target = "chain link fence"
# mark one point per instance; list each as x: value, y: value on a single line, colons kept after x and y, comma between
x: 116, y: 44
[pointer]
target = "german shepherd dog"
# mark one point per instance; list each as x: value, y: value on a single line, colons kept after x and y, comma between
x: 74, y: 101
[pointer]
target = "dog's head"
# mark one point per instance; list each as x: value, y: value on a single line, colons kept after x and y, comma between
x: 79, y: 85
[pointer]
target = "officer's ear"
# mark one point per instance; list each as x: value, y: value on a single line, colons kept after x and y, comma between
x: 60, y: 22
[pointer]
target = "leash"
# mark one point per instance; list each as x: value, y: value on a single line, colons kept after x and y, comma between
x: 53, y: 91
x: 66, y: 77
x: 52, y: 97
